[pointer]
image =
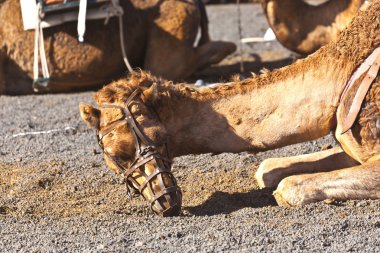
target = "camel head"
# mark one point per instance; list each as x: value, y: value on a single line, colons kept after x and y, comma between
x: 134, y: 141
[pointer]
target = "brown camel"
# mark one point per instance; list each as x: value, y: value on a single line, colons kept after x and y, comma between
x: 159, y: 37
x: 297, y: 103
x: 304, y: 28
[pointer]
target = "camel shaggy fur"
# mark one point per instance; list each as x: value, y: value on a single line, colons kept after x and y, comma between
x: 293, y: 104
x: 159, y: 37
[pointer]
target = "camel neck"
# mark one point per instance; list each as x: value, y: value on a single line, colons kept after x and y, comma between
x: 260, y: 113
x: 290, y: 105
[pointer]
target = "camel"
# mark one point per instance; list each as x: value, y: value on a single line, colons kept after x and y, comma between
x: 304, y: 28
x: 297, y: 103
x: 159, y: 37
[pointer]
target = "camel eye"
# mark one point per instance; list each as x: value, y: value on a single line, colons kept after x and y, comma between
x: 125, y: 157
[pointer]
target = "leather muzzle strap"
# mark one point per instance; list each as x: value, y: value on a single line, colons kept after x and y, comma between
x: 146, y: 151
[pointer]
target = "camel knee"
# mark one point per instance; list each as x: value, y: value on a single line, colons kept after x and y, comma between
x: 272, y: 170
x: 266, y: 175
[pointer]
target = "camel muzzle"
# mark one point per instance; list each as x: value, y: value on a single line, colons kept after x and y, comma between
x: 159, y: 187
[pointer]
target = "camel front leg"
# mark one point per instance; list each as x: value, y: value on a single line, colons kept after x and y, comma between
x: 359, y: 182
x: 271, y: 171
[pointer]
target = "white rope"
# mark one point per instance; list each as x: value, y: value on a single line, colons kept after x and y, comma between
x: 129, y: 67
x: 36, y: 39
x: 66, y: 130
x: 118, y: 11
x: 39, y: 53
x: 44, y: 66
x: 81, y: 27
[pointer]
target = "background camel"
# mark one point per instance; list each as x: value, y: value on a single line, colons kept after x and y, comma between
x: 290, y: 105
x: 304, y: 28
x: 159, y: 37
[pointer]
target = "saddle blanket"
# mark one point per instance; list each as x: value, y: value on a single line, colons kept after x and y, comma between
x: 61, y: 11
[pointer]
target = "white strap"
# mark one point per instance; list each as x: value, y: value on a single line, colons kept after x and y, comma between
x: 82, y: 20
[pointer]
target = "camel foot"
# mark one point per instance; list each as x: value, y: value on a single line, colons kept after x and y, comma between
x: 271, y: 171
x: 265, y: 175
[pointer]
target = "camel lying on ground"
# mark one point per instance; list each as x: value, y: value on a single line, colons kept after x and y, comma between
x: 294, y: 104
x: 304, y: 28
x: 159, y: 37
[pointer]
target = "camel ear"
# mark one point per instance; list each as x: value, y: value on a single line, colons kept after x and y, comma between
x: 150, y: 95
x: 90, y: 114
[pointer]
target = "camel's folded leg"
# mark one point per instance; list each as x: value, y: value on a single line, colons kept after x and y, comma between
x: 175, y: 59
x: 359, y: 182
x: 271, y: 171
x: 212, y: 52
x: 170, y: 47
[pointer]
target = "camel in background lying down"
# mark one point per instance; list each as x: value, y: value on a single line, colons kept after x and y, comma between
x: 297, y: 103
x: 304, y: 28
x: 159, y: 37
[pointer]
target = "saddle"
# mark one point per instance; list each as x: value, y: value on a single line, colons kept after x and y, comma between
x: 40, y: 14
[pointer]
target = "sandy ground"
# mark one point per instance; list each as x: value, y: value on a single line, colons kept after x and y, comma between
x: 57, y: 195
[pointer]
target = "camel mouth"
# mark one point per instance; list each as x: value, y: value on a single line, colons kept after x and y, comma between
x: 162, y: 193
x: 173, y: 203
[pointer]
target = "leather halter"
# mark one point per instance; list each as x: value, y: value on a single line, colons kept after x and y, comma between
x: 371, y: 65
x: 145, y: 152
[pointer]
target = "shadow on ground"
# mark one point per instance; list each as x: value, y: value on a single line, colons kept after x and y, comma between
x: 226, y: 203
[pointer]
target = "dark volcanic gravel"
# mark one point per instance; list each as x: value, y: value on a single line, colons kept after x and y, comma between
x: 58, y: 196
